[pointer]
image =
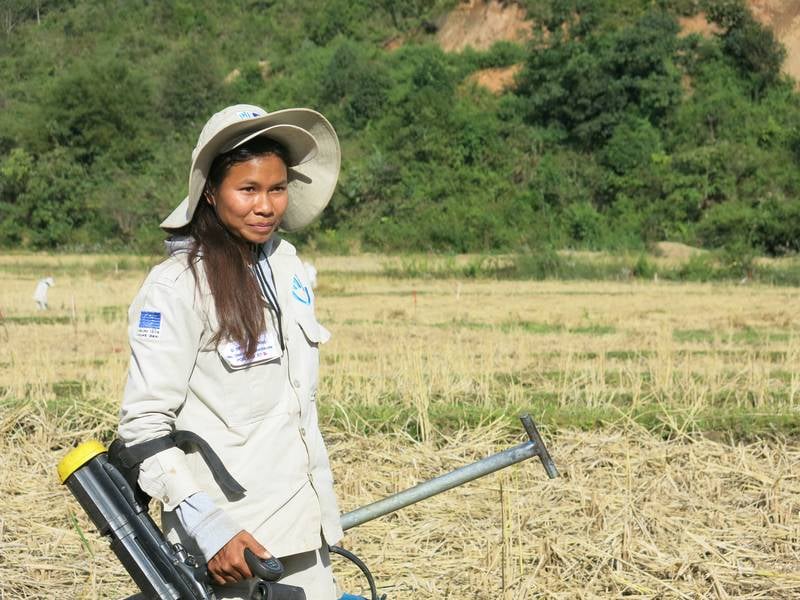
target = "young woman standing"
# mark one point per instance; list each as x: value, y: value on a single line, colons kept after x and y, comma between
x: 224, y: 344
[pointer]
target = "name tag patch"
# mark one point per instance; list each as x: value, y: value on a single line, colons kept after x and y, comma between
x: 267, y: 349
x: 149, y: 325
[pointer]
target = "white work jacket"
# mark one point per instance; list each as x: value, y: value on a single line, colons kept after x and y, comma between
x: 260, y: 419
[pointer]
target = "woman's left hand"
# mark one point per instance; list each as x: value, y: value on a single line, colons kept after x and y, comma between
x: 228, y: 565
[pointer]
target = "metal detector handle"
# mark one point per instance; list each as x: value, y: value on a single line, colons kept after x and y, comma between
x: 269, y: 569
x: 533, y: 447
x: 277, y: 591
x: 542, y: 453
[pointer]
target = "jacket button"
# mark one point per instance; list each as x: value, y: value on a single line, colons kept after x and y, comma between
x: 303, y: 431
x: 296, y: 383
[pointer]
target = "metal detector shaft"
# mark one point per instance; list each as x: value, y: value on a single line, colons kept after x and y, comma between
x: 534, y: 447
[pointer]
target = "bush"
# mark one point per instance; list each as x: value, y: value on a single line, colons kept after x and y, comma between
x: 752, y: 46
x: 52, y: 201
x: 584, y: 225
x: 356, y: 83
x: 699, y: 267
x: 726, y: 223
x: 643, y: 268
x: 102, y: 108
x: 631, y: 146
x: 588, y: 86
x: 192, y: 86
x: 540, y: 263
x: 501, y: 54
x: 777, y: 227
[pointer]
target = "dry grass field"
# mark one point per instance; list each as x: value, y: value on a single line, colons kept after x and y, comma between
x: 672, y: 411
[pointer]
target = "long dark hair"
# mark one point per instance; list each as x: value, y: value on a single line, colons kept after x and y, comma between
x: 228, y: 259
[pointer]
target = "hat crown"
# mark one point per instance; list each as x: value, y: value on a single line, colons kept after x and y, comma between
x: 224, y: 118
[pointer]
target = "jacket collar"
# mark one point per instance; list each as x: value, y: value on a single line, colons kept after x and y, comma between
x: 275, y: 245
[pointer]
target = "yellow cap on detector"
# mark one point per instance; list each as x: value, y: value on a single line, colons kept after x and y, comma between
x: 79, y: 457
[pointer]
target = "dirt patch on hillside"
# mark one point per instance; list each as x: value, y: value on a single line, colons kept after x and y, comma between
x: 394, y: 43
x: 480, y: 24
x: 496, y: 80
x: 780, y: 15
x: 783, y: 17
x: 697, y: 24
x: 792, y: 64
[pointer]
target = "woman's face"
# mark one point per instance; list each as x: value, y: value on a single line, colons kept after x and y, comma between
x: 252, y: 198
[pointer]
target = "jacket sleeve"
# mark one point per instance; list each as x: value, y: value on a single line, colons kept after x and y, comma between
x: 210, y: 526
x: 165, y: 332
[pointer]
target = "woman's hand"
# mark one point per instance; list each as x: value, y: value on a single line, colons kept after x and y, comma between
x: 228, y: 565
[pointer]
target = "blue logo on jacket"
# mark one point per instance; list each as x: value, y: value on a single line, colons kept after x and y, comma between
x: 150, y: 319
x: 149, y: 325
x: 299, y: 291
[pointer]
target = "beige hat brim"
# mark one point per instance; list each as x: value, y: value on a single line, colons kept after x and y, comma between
x: 314, y: 162
x: 300, y: 144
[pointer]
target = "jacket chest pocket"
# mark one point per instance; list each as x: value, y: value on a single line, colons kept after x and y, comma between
x: 254, y: 391
x: 304, y: 342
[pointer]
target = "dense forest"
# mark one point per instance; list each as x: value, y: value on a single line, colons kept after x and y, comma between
x: 618, y: 132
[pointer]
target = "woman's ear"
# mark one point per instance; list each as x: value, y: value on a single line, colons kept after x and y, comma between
x: 209, y: 198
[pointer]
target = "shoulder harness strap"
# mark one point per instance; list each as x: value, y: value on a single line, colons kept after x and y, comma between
x: 128, y: 458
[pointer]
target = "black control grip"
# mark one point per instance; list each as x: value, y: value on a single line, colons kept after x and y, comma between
x: 269, y: 569
x: 277, y: 591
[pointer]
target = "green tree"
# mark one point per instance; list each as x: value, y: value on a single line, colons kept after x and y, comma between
x: 751, y: 46
x: 356, y: 83
x: 192, y: 85
x: 102, y: 107
x: 49, y: 205
x: 587, y: 86
x: 15, y: 173
x: 336, y: 17
x: 631, y: 146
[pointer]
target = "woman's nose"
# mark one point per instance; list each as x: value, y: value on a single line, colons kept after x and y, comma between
x: 263, y: 204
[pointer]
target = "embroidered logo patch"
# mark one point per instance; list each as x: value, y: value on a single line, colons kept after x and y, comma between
x: 246, y: 114
x: 149, y: 325
x: 299, y: 291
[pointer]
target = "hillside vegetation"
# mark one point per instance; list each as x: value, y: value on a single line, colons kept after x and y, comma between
x: 620, y: 130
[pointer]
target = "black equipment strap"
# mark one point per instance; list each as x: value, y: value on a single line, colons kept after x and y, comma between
x: 130, y: 457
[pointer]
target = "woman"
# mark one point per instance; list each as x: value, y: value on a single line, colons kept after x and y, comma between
x: 224, y: 344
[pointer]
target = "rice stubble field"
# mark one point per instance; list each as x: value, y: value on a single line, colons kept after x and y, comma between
x: 671, y: 411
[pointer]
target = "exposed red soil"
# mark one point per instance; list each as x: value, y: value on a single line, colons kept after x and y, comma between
x: 496, y: 80
x: 480, y: 24
x: 394, y: 43
x: 697, y: 24
x: 783, y: 17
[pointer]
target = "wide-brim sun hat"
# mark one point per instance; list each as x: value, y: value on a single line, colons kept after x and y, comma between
x: 311, y: 143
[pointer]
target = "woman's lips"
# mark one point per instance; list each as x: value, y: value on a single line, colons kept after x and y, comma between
x: 263, y: 226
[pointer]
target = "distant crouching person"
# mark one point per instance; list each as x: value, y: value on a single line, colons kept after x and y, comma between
x: 40, y: 294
